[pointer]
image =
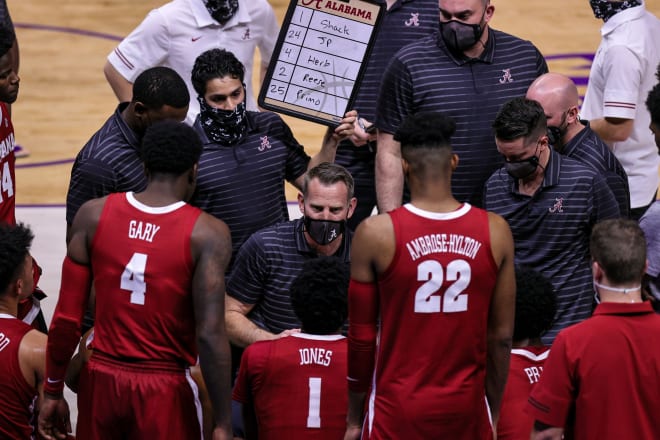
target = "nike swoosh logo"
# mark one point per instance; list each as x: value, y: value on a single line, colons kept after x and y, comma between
x: 193, y: 39
x: 51, y: 381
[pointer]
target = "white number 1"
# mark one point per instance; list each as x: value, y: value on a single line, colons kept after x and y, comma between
x: 132, y: 278
x: 314, y: 412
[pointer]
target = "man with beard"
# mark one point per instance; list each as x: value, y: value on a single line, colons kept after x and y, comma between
x: 247, y: 155
x: 573, y: 137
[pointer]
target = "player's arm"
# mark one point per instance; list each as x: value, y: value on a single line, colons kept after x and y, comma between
x: 612, y: 129
x: 121, y: 86
x: 389, y: 176
x: 501, y: 314
x: 211, y: 249
x: 64, y: 332
x: 363, y: 309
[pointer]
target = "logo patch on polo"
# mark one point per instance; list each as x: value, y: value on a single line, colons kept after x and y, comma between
x: 246, y: 35
x: 265, y: 143
x: 506, y: 76
x: 413, y: 20
x: 558, y: 206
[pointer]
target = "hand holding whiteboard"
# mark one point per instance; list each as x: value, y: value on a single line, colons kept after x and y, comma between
x: 319, y: 58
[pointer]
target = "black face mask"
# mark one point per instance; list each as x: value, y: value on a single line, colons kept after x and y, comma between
x: 556, y: 133
x: 324, y: 231
x: 521, y: 169
x: 605, y: 10
x: 221, y: 10
x: 227, y: 127
x: 459, y: 36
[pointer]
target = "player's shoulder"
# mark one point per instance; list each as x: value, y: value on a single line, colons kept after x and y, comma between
x: 374, y: 225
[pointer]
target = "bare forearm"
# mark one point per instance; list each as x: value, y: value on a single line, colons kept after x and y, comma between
x: 497, y: 370
x: 327, y: 152
x: 122, y: 88
x: 355, y: 416
x: 243, y: 332
x: 612, y: 130
x: 215, y: 363
x: 389, y: 181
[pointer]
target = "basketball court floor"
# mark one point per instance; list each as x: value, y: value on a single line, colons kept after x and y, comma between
x: 64, y: 97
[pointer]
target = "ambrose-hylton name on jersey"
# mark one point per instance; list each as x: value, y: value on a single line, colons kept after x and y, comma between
x: 443, y: 243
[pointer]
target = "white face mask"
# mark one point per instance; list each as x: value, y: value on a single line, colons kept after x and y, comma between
x: 623, y: 290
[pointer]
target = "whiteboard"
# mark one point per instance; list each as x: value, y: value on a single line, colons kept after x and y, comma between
x: 319, y: 58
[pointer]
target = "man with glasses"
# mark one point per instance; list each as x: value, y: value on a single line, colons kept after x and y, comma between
x: 551, y: 203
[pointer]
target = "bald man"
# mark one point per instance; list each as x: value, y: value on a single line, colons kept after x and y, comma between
x: 573, y: 137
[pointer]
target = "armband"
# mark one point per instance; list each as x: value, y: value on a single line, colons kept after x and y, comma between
x: 64, y: 332
x: 362, y: 331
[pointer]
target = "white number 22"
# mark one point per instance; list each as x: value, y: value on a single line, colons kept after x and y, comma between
x: 132, y: 278
x: 453, y: 300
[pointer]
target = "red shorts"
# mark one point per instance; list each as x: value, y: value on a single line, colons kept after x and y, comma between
x: 142, y: 400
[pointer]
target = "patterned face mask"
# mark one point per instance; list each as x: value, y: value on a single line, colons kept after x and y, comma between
x: 605, y: 9
x: 227, y: 127
x: 221, y: 10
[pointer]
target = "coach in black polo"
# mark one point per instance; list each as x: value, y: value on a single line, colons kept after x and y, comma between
x: 551, y: 202
x: 466, y: 70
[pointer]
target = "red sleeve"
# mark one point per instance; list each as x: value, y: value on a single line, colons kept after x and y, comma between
x: 64, y: 332
x: 254, y: 365
x: 552, y: 397
x: 362, y: 330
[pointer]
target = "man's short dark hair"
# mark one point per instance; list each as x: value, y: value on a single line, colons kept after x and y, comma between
x: 653, y: 101
x: 520, y: 118
x: 159, y: 86
x: 7, y: 39
x: 215, y: 63
x: 619, y: 248
x: 319, y: 295
x: 426, y: 130
x: 536, y: 304
x: 15, y: 242
x: 328, y: 174
x: 170, y: 147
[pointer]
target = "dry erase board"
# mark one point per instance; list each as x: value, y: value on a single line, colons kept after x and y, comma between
x: 319, y: 58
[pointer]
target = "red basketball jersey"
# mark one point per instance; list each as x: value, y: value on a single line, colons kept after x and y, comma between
x: 524, y: 373
x: 7, y: 168
x: 434, y: 304
x: 297, y: 385
x: 143, y: 269
x: 18, y: 397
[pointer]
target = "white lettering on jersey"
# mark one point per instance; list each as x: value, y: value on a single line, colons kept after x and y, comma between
x: 533, y: 373
x: 318, y: 356
x: 441, y: 243
x: 4, y: 341
x: 142, y: 230
x: 7, y: 145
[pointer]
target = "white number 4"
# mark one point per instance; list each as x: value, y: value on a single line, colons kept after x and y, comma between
x: 453, y: 300
x: 132, y: 278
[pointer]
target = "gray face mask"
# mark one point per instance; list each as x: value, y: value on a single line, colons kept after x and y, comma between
x: 521, y: 169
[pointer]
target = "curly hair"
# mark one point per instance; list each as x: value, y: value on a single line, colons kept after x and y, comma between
x: 160, y: 86
x: 653, y: 101
x: 319, y: 295
x: 536, y: 304
x: 15, y: 242
x: 215, y: 63
x: 170, y: 147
